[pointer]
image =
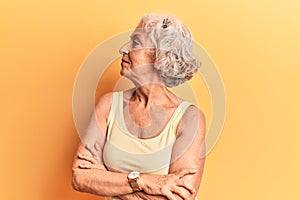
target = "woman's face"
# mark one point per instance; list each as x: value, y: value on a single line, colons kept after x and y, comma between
x: 138, y: 52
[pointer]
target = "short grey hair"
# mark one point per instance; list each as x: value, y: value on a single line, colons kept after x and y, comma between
x: 175, y: 58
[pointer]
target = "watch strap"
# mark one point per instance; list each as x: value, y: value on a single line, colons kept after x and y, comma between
x: 134, y: 185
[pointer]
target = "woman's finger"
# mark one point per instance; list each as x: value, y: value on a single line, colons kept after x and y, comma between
x: 187, y: 187
x: 184, y: 172
x: 181, y: 192
x: 85, y: 166
x: 167, y: 193
x: 92, y: 149
x: 87, y: 158
x: 89, y: 166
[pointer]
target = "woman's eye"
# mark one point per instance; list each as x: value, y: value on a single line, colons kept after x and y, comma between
x: 135, y: 43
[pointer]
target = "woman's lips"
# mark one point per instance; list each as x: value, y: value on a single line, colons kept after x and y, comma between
x: 124, y: 61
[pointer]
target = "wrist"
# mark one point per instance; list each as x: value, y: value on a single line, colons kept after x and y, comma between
x: 133, y: 180
x: 141, y: 182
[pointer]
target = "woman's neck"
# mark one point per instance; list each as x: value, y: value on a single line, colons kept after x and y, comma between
x: 152, y: 94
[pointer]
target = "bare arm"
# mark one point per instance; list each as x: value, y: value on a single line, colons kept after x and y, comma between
x: 97, y: 180
x: 189, y: 148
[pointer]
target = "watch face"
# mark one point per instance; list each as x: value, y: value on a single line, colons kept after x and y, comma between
x: 133, y: 175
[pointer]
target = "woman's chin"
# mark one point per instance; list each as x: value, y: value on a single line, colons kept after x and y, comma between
x: 125, y: 73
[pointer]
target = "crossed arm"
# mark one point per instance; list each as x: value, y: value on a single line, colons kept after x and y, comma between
x: 185, y: 171
x: 155, y: 187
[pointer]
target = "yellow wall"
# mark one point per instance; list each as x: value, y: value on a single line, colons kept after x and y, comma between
x: 255, y: 45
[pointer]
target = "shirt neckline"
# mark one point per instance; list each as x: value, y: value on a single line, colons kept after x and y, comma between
x: 121, y: 99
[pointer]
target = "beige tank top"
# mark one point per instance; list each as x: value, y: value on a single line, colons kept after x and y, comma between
x: 124, y: 152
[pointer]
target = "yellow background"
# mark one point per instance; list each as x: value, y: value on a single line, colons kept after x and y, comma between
x: 255, y: 45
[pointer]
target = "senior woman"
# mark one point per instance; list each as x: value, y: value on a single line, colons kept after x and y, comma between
x: 146, y: 143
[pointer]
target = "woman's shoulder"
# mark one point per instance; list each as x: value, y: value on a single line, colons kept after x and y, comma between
x: 193, y: 111
x: 103, y: 104
x: 192, y: 117
x: 105, y: 98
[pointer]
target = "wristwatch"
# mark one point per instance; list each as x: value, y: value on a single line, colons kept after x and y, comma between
x: 132, y: 179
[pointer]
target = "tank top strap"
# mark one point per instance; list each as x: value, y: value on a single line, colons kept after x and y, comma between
x: 112, y: 113
x: 178, y: 113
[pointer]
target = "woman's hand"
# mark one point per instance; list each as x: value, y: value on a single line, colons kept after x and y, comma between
x: 168, y: 185
x: 88, y: 162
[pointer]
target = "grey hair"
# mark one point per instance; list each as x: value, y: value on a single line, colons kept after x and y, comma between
x: 175, y: 58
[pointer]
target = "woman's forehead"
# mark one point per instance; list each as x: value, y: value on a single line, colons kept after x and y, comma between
x: 138, y: 32
x: 140, y: 25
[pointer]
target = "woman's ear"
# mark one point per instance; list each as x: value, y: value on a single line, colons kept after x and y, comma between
x: 152, y: 53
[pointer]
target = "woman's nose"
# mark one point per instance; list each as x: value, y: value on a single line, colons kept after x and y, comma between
x: 125, y: 48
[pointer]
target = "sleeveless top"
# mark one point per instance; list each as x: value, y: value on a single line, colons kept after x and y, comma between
x: 124, y: 152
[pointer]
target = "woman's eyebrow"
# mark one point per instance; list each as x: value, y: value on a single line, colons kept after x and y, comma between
x: 135, y: 36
